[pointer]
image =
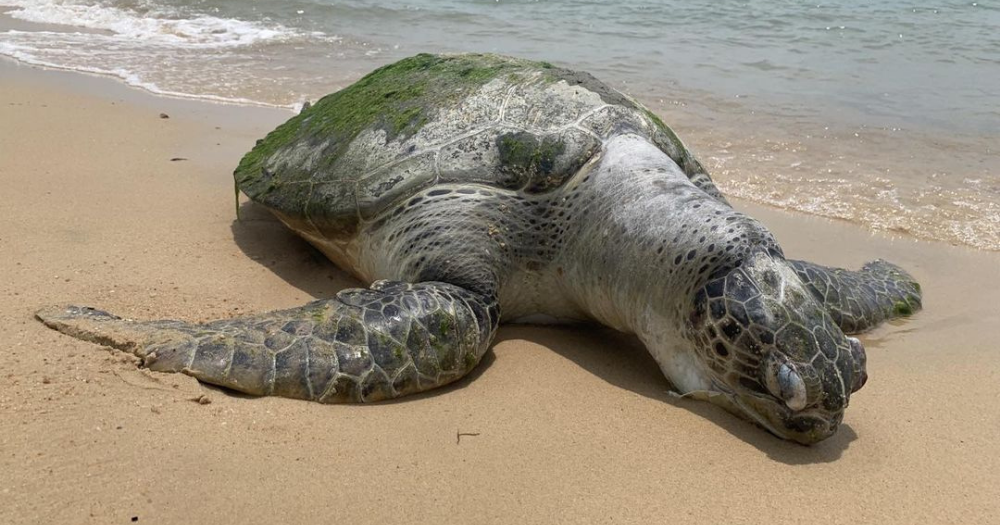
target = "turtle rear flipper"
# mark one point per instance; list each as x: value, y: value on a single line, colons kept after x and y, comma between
x: 365, y: 345
x: 860, y: 300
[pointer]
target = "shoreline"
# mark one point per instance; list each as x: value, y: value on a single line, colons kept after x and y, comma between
x: 8, y: 23
x: 574, y: 424
x: 99, y: 82
x: 886, y: 180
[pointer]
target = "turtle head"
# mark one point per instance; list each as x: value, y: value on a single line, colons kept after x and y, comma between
x: 773, y: 352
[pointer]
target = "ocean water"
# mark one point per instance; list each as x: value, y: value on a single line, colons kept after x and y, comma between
x: 884, y: 113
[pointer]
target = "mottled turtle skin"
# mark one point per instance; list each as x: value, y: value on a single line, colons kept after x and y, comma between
x: 475, y: 189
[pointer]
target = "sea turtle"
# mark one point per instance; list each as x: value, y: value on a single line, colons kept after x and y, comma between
x: 475, y: 189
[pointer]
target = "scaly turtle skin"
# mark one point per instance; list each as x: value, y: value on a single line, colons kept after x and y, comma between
x: 478, y: 188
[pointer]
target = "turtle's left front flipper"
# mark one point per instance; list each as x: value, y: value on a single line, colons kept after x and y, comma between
x: 860, y: 300
x: 364, y: 345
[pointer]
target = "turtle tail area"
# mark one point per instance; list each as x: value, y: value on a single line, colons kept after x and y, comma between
x: 861, y: 300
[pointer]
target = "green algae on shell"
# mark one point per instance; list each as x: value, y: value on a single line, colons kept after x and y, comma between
x: 355, y: 152
x: 394, y: 97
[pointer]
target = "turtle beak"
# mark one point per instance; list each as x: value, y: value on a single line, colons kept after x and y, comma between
x: 805, y: 428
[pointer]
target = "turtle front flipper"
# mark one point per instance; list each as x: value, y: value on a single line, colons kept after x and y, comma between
x: 365, y: 345
x: 860, y: 300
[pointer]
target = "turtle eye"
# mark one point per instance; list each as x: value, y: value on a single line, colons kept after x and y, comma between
x: 786, y: 384
x: 860, y: 359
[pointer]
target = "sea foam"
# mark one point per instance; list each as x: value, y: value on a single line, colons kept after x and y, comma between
x: 156, y: 24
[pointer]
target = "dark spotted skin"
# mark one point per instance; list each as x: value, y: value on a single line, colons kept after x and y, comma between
x: 391, y: 340
x: 749, y: 335
x: 859, y: 301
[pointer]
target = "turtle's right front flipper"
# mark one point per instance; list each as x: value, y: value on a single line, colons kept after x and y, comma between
x: 859, y: 301
x: 366, y: 345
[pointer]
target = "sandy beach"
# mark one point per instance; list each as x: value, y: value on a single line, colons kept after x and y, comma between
x: 106, y: 203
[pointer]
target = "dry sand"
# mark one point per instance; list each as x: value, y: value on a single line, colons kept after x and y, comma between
x: 571, y: 425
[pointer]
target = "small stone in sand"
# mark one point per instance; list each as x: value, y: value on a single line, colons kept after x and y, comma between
x: 202, y: 399
x: 164, y: 115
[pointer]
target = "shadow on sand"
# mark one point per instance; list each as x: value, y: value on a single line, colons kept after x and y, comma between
x: 616, y: 358
x: 266, y: 240
x: 621, y: 360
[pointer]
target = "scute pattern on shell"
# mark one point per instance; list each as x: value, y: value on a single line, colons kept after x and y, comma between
x: 510, y: 123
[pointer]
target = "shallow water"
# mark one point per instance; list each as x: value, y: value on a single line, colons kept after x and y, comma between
x: 882, y: 113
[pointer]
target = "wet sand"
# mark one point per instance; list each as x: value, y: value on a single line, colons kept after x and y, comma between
x: 566, y: 425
